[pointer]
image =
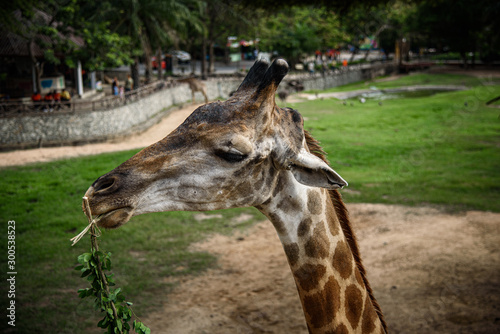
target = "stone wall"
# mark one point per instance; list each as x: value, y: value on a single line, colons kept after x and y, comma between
x: 49, y: 129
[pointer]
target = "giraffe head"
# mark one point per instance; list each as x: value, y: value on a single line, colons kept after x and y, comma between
x: 225, y: 154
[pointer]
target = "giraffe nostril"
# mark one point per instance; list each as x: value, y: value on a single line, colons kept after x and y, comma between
x: 104, y: 184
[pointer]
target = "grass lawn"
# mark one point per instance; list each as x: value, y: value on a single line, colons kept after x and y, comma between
x: 443, y: 149
x: 416, y: 79
x: 430, y: 151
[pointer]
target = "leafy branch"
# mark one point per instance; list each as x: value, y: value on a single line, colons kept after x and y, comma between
x: 111, y: 301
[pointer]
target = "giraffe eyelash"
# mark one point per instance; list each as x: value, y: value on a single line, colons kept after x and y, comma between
x: 230, y: 156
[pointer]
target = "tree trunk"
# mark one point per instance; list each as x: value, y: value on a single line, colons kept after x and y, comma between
x: 38, y: 67
x: 204, y: 59
x: 149, y: 66
x: 159, y: 61
x: 367, y: 53
x: 211, y: 66
x: 227, y: 59
x: 352, y: 55
x: 134, y: 69
x: 463, y: 54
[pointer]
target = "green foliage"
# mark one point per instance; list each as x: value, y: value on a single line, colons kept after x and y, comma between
x: 461, y: 26
x: 111, y: 302
x: 104, y: 48
x: 299, y: 31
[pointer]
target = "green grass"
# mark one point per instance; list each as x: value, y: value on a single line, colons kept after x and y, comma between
x: 431, y: 151
x: 416, y: 79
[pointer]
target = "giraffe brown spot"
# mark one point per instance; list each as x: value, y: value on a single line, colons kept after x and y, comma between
x: 289, y: 204
x: 309, y: 275
x: 333, y: 223
x: 304, y: 227
x: 259, y: 181
x: 318, y: 245
x: 240, y: 172
x: 369, y: 316
x: 280, y: 185
x: 321, y: 307
x: 292, y: 253
x: 314, y: 204
x: 279, y: 225
x: 245, y: 188
x: 341, y: 329
x: 353, y: 305
x: 342, y: 260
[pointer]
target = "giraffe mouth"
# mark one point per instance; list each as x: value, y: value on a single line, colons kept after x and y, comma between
x: 114, y: 218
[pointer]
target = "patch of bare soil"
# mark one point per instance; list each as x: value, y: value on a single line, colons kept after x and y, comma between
x: 432, y: 272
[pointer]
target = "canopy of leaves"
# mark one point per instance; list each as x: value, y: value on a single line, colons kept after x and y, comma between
x: 299, y: 31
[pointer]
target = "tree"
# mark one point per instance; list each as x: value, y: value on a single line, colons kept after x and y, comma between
x: 104, y: 48
x: 150, y: 24
x: 462, y: 26
x: 43, y: 34
x: 298, y: 31
x: 221, y: 18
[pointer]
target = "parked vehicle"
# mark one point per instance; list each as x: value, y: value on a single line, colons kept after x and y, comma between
x: 182, y: 56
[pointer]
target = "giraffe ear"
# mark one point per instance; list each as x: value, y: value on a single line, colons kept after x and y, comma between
x: 310, y: 170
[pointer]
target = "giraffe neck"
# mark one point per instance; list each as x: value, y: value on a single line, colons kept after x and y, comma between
x: 334, y: 296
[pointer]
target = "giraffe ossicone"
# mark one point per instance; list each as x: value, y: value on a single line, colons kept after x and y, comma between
x: 247, y: 151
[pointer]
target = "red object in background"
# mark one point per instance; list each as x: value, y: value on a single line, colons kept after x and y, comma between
x: 155, y: 63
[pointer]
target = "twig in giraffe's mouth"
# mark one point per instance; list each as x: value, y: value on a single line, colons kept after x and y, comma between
x: 92, y: 226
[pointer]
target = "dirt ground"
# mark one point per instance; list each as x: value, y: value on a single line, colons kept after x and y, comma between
x: 432, y: 272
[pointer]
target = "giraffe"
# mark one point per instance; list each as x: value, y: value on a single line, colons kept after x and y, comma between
x: 196, y: 86
x: 247, y: 151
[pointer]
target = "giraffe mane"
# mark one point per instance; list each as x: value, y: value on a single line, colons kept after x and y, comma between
x: 343, y: 216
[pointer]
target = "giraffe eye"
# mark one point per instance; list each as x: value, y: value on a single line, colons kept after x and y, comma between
x: 230, y: 156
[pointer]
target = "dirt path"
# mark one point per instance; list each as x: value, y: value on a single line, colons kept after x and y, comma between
x: 432, y: 272
x: 148, y: 137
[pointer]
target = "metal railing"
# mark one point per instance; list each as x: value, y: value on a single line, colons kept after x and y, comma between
x: 17, y: 108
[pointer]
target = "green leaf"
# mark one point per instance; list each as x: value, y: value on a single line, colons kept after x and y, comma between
x: 83, y: 258
x: 86, y: 273
x: 119, y: 325
x: 103, y: 323
x: 120, y: 298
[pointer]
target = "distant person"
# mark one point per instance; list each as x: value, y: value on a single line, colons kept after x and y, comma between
x: 114, y: 87
x: 36, y: 98
x: 65, y: 97
x: 48, y: 102
x: 129, y: 84
x: 57, y: 99
x: 310, y: 67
